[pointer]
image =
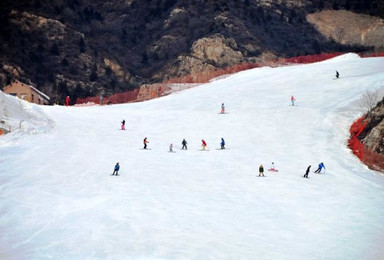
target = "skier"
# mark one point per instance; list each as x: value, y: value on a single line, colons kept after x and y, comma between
x: 273, y: 166
x: 293, y: 100
x: 117, y: 168
x: 184, y: 143
x: 307, y: 171
x: 222, y: 108
x: 273, y: 169
x: 67, y: 101
x: 204, y: 144
x: 261, y: 170
x: 123, y: 125
x: 171, y: 148
x: 337, y: 74
x: 222, y: 143
x: 145, y: 141
x: 101, y: 99
x: 321, y: 166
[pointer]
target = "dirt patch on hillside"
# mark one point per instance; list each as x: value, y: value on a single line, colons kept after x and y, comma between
x: 349, y: 28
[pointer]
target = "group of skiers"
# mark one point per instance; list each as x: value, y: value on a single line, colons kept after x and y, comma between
x: 222, y: 146
x: 321, y: 166
x: 261, y: 167
x: 318, y: 171
x: 184, y: 144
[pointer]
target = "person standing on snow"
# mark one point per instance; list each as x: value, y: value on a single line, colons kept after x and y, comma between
x: 273, y: 169
x: 67, y: 101
x: 184, y: 143
x: 171, y: 147
x: 123, y: 125
x: 145, y: 141
x: 321, y: 166
x: 261, y: 170
x: 306, y: 173
x: 337, y: 74
x: 293, y: 100
x: 203, y: 144
x: 222, y: 143
x: 222, y: 108
x: 116, y: 170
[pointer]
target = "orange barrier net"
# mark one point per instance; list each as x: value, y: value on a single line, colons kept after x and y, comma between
x: 372, y: 159
x: 206, y: 76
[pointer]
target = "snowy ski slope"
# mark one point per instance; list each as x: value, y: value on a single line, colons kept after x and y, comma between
x: 58, y: 200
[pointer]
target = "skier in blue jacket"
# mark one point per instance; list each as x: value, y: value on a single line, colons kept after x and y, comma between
x: 222, y: 143
x: 321, y: 166
x: 116, y: 170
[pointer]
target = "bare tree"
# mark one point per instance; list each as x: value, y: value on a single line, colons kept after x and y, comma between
x: 370, y: 98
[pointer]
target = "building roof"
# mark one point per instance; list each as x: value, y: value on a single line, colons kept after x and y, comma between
x: 40, y: 93
x: 32, y: 87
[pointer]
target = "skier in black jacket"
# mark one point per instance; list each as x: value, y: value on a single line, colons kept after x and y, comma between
x: 306, y: 173
x: 184, y: 143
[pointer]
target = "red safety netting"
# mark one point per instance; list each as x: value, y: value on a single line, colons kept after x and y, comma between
x: 206, y: 76
x: 310, y: 58
x: 117, y: 98
x: 372, y: 159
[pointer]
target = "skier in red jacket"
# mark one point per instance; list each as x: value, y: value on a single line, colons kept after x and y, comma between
x: 204, y: 144
x: 293, y: 100
x: 145, y: 141
x: 67, y: 100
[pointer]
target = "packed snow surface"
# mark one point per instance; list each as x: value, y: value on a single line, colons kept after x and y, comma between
x: 59, y: 201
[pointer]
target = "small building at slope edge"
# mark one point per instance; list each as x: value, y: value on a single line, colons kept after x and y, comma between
x: 26, y: 92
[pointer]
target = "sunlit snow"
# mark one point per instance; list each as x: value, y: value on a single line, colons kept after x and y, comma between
x: 59, y: 201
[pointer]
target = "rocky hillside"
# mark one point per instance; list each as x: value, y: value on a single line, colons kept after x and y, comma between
x: 346, y: 27
x: 83, y: 48
x: 373, y: 134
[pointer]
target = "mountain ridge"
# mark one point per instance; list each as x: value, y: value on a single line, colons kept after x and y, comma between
x: 84, y: 48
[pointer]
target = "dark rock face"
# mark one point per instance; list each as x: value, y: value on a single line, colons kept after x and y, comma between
x: 373, y: 135
x: 83, y: 48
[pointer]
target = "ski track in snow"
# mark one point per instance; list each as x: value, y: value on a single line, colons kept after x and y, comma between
x: 58, y: 200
